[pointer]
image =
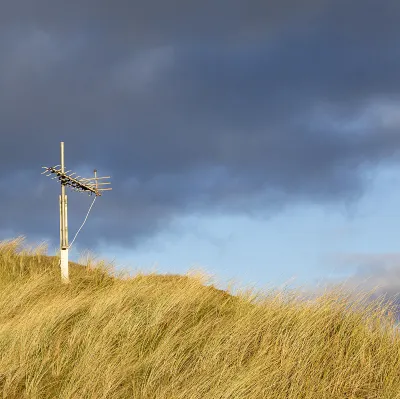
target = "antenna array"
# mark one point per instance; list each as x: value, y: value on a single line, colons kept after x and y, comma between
x: 78, y: 184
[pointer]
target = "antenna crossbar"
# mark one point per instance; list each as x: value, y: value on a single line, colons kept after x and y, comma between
x: 77, y: 183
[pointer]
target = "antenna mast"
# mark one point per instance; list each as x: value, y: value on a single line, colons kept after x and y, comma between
x: 91, y: 186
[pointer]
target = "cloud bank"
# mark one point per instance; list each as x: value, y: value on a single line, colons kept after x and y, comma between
x: 215, y: 107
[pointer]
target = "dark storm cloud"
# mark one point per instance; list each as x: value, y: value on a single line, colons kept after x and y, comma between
x: 155, y: 20
x: 209, y: 106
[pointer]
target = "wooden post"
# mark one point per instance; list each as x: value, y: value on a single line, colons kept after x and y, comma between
x: 64, y: 225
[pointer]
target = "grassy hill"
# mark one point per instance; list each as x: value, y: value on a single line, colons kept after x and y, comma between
x: 173, y: 337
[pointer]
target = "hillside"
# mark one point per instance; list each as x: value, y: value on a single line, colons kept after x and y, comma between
x: 173, y: 337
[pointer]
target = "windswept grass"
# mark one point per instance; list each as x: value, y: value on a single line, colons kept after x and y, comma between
x: 173, y: 337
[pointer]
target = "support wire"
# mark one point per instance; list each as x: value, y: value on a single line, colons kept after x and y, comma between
x: 83, y: 222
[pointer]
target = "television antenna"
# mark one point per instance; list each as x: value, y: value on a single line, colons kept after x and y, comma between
x: 77, y: 183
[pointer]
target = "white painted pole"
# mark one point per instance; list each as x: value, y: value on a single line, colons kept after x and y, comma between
x: 64, y: 227
x: 64, y: 266
x: 66, y: 220
x: 61, y: 221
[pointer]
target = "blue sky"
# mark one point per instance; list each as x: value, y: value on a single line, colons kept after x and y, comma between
x: 258, y: 141
x: 305, y: 242
x: 300, y: 246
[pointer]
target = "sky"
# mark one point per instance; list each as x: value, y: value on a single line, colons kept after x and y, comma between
x: 256, y: 140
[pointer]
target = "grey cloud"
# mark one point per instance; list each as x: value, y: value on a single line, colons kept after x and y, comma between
x: 150, y: 21
x: 209, y: 107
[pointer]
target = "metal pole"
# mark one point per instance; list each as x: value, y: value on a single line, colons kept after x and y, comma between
x: 66, y: 221
x: 62, y: 199
x: 64, y: 224
x: 91, y: 185
x: 61, y: 221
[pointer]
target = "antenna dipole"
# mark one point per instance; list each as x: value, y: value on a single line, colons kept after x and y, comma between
x: 76, y: 183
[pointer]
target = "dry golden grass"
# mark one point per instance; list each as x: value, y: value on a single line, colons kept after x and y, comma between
x: 173, y: 337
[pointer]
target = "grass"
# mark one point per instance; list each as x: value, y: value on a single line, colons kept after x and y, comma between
x: 106, y: 335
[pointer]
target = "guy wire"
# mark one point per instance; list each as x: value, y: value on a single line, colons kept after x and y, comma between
x: 83, y: 222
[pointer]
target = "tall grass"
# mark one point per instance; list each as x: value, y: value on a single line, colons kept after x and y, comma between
x: 172, y: 337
